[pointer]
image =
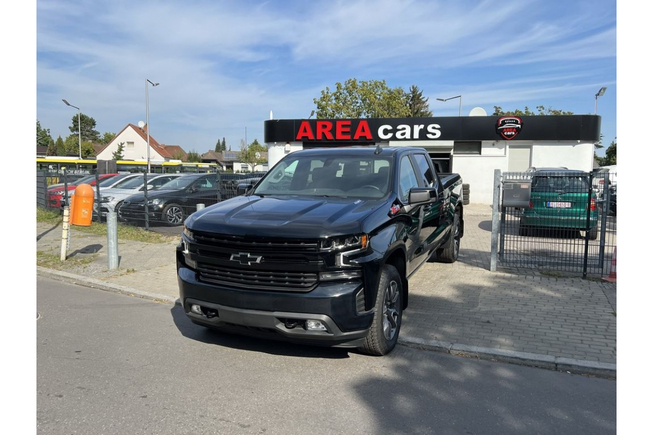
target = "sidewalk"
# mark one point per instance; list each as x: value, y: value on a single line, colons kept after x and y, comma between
x: 462, y: 308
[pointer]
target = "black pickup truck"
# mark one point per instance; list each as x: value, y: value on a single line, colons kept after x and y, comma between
x: 320, y: 250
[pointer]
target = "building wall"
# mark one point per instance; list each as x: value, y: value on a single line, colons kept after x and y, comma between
x: 570, y: 154
x: 138, y: 152
x: 478, y: 170
x: 245, y: 167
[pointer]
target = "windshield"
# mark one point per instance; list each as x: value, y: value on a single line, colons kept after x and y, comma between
x: 364, y: 176
x: 130, y: 183
x: 178, y: 183
x: 111, y: 180
x: 563, y: 183
x: 86, y: 180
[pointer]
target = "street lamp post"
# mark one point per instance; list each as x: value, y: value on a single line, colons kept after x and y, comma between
x: 79, y: 125
x: 460, y: 104
x: 596, y: 98
x: 147, y: 118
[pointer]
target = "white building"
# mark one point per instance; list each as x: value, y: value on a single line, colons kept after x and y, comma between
x: 134, y: 140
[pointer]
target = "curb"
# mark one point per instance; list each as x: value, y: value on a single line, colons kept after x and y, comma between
x: 101, y: 285
x: 570, y: 365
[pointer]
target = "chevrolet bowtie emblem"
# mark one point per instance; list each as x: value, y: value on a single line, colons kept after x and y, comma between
x: 245, y: 258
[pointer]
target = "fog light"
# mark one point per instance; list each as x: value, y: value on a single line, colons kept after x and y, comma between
x: 315, y: 325
x: 196, y: 309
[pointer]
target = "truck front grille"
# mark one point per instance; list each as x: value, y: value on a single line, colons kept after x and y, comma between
x: 257, y: 279
x: 261, y: 245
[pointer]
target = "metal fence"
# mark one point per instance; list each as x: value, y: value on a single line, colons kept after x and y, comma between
x: 556, y: 222
x: 154, y: 207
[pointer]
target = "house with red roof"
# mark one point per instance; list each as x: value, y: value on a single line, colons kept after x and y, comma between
x: 134, y: 141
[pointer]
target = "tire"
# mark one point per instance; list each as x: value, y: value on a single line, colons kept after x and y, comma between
x: 117, y: 210
x: 388, y: 309
x: 173, y: 215
x: 524, y: 231
x: 449, y: 253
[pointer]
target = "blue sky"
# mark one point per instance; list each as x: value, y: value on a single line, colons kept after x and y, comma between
x: 224, y: 65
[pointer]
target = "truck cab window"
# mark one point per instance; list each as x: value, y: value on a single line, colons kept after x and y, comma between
x: 407, y: 178
x: 425, y: 170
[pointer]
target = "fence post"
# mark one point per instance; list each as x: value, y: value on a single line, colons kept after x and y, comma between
x: 65, y: 237
x: 587, y: 223
x: 112, y: 240
x: 65, y: 187
x: 147, y: 213
x: 98, y: 197
x: 495, y: 220
x: 219, y: 183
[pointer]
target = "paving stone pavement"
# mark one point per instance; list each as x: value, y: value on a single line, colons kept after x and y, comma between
x: 561, y: 323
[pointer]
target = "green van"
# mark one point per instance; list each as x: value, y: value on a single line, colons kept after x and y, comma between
x: 560, y: 200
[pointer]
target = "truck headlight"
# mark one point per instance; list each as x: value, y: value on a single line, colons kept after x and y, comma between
x: 344, y: 243
x: 188, y: 233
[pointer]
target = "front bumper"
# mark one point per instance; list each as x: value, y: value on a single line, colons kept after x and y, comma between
x: 136, y: 212
x: 269, y: 314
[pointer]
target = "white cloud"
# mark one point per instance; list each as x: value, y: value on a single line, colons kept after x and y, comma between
x: 224, y: 65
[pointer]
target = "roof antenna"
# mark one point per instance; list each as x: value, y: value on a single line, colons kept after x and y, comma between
x: 378, y: 149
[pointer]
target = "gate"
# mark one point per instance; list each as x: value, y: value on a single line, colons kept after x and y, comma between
x: 555, y: 221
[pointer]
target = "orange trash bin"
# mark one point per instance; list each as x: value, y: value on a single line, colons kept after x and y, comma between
x: 81, y: 210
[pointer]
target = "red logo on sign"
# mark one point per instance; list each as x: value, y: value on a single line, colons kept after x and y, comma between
x: 333, y: 130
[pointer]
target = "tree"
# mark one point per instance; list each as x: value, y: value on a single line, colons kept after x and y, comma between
x: 194, y: 156
x: 221, y: 146
x: 107, y: 137
x: 117, y: 154
x: 418, y: 106
x: 179, y: 155
x: 610, y: 155
x: 54, y: 147
x: 89, y: 133
x: 541, y: 111
x: 43, y: 137
x: 71, y: 147
x: 364, y: 99
x: 60, y: 147
x: 253, y: 154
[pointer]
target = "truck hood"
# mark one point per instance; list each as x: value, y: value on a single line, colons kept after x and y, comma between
x: 295, y: 217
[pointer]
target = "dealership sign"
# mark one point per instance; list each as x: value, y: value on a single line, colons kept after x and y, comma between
x: 336, y: 132
x: 356, y: 130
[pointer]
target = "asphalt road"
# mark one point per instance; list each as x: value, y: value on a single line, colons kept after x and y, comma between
x: 113, y: 364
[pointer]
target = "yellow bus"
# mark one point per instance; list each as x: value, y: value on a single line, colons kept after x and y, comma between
x: 75, y: 165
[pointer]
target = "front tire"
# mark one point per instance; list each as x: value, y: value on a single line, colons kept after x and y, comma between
x: 173, y: 215
x: 388, y: 309
x: 117, y: 210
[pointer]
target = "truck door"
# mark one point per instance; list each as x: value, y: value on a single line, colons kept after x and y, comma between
x: 432, y: 231
x: 407, y: 180
x: 203, y: 191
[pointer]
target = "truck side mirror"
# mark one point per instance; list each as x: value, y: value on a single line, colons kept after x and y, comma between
x: 421, y: 195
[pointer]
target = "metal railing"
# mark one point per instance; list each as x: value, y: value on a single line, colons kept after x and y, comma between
x: 154, y: 209
x: 555, y: 222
